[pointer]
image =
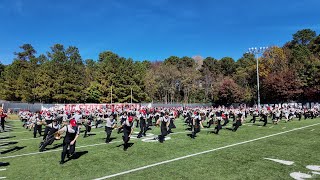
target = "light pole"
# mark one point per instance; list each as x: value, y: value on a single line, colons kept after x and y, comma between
x: 256, y: 52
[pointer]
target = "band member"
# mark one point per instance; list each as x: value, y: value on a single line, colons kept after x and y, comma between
x: 299, y: 114
x: 211, y: 119
x: 163, y: 122
x: 196, y: 125
x: 226, y: 117
x: 277, y: 115
x: 123, y: 118
x: 53, y: 127
x: 127, y: 131
x: 255, y: 114
x: 88, y: 125
x: 218, y: 126
x: 171, y: 125
x: 72, y: 133
x: 149, y: 120
x: 37, y: 125
x: 2, y: 119
x: 240, y: 119
x: 48, y: 118
x: 110, y: 124
x: 143, y: 125
x: 78, y: 117
x: 264, y: 116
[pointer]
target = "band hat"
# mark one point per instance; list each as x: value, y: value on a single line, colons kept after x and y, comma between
x: 73, y: 122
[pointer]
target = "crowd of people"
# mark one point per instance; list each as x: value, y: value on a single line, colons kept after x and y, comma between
x: 70, y: 123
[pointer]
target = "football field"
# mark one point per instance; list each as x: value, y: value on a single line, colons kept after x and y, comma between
x: 284, y: 151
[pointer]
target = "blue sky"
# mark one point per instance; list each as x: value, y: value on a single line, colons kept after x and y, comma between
x: 153, y: 29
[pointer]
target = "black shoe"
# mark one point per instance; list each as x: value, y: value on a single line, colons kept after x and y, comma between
x: 62, y: 162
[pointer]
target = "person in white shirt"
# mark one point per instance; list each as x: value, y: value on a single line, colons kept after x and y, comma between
x: 110, y: 125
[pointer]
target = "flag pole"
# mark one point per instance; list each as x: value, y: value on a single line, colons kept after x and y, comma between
x: 131, y: 95
x: 111, y: 94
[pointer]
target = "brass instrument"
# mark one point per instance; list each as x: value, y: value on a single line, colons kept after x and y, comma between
x: 57, y: 135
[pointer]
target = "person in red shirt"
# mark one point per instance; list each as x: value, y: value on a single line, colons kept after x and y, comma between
x: 2, y: 119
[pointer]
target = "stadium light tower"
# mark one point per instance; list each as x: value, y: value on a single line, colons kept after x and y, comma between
x: 256, y: 52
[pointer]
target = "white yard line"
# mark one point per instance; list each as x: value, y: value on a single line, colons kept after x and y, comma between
x: 199, y: 153
x: 3, y: 169
x: 312, y: 130
x: 2, y: 177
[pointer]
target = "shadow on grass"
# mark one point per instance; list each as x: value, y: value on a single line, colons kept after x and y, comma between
x: 77, y: 155
x: 126, y: 146
x: 7, y: 137
x: 4, y: 164
x: 14, y: 149
x: 7, y: 143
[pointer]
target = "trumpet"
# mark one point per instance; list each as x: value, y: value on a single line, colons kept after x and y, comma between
x: 57, y: 135
x: 115, y: 126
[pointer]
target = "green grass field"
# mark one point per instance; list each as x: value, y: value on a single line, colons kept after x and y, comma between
x: 219, y: 157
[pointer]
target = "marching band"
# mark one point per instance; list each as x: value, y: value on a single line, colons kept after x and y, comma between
x: 69, y: 123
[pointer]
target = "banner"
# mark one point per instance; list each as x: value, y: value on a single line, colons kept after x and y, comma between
x: 90, y: 107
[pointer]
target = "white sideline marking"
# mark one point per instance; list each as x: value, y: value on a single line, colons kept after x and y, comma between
x: 313, y: 172
x: 313, y: 167
x: 28, y: 154
x: 300, y: 176
x: 3, y: 169
x: 289, y: 163
x: 2, y: 177
x: 199, y: 153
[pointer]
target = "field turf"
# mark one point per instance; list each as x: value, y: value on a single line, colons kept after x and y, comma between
x: 229, y: 155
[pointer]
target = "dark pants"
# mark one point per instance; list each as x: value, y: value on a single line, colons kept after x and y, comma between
x: 299, y: 116
x: 196, y: 129
x: 210, y: 122
x: 218, y: 127
x: 143, y: 128
x: 164, y: 133
x: 48, y: 141
x: 46, y: 131
x: 226, y: 121
x: 264, y: 119
x: 125, y: 137
x: 2, y: 124
x: 171, y: 126
x: 98, y: 122
x: 88, y: 129
x: 66, y: 144
x: 236, y: 125
x: 35, y: 129
x: 254, y: 118
x: 108, y: 132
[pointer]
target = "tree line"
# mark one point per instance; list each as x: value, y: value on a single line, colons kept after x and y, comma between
x: 287, y: 73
